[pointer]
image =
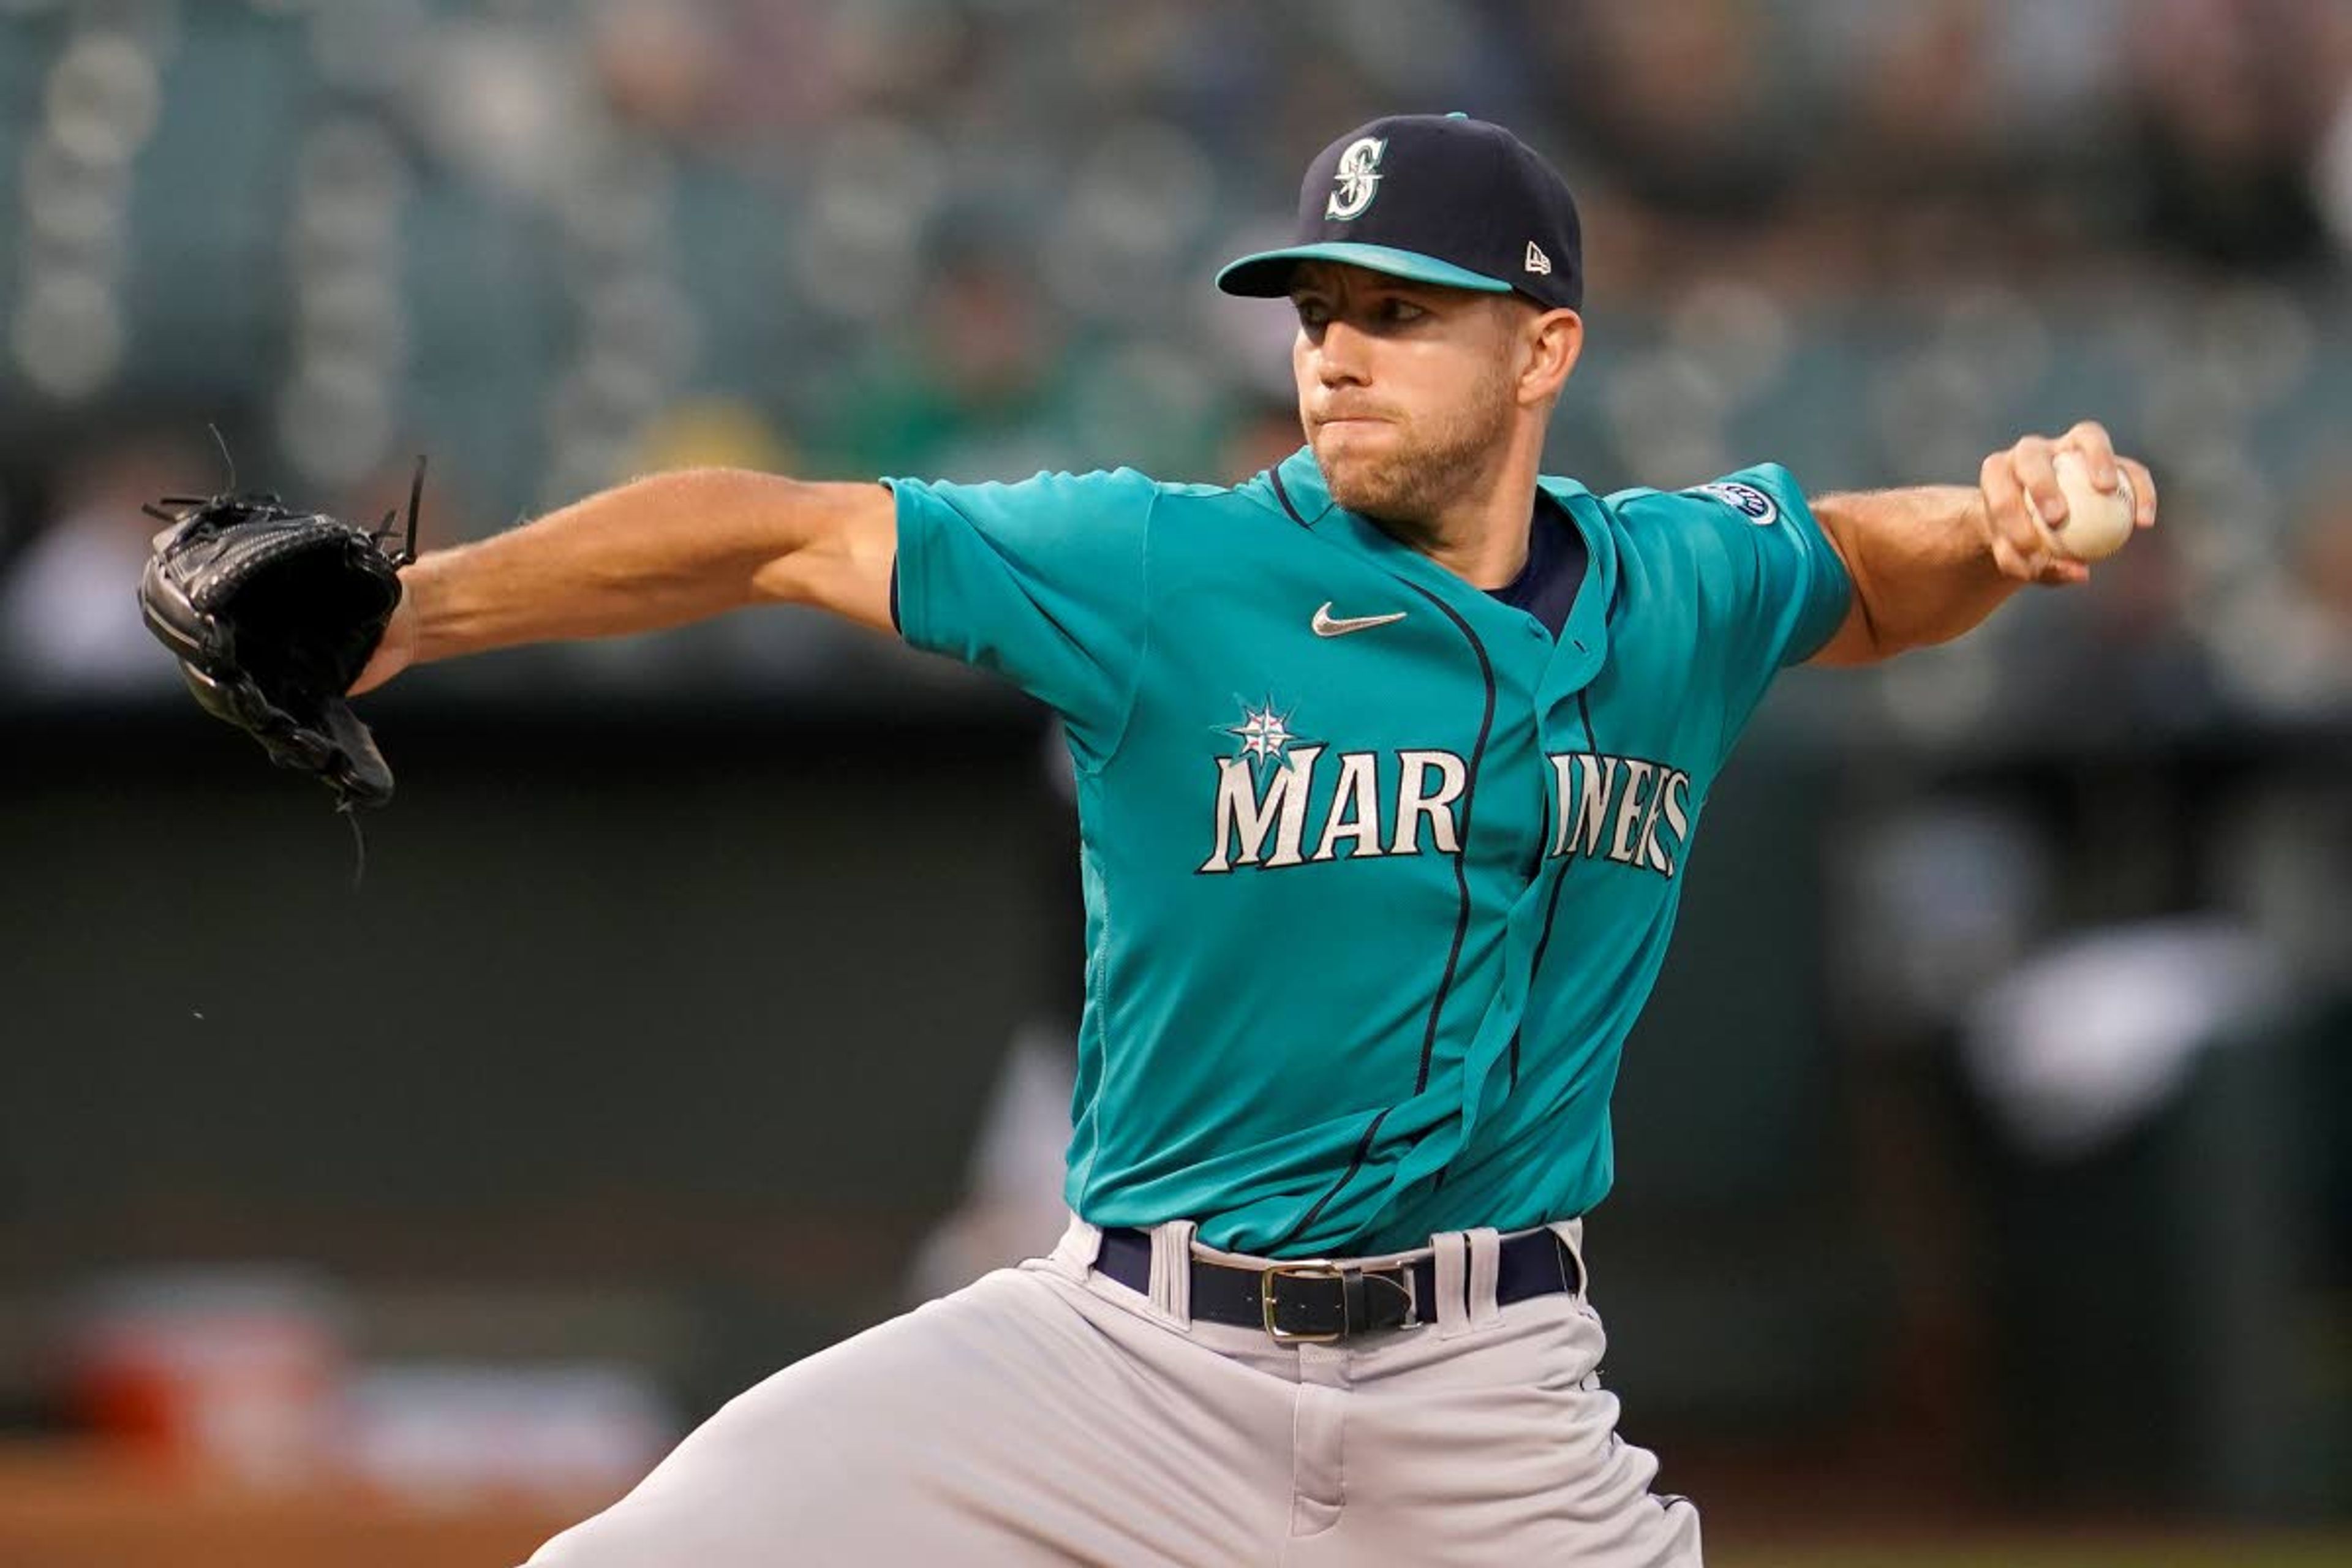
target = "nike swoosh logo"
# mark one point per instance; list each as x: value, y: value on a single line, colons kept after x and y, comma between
x: 1327, y: 625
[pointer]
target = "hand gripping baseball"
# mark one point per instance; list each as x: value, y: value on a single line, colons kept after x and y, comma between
x: 2024, y: 506
x: 272, y: 613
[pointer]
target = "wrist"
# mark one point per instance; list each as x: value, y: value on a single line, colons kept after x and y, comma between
x: 424, y: 586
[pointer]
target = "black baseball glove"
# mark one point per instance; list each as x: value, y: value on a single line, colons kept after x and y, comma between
x: 272, y: 613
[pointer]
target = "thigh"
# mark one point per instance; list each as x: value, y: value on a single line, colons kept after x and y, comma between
x: 1019, y: 1421
x: 1501, y: 1447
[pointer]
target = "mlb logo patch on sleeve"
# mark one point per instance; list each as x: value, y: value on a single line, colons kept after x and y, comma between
x: 1746, y: 499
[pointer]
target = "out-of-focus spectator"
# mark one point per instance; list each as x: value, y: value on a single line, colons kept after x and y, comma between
x: 2317, y: 634
x: 1923, y: 165
x: 2230, y: 99
x: 2331, y: 171
x: 68, y: 618
x: 660, y: 65
x: 967, y: 386
x: 1677, y: 98
x: 1266, y: 435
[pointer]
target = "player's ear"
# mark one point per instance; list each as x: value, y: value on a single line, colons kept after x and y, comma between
x: 1555, y: 339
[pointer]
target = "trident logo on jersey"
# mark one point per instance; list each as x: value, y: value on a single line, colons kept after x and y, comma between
x: 1358, y: 179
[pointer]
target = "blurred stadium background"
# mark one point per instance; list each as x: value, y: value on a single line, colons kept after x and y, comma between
x: 1986, y: 1193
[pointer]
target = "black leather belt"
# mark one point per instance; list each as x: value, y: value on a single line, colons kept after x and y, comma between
x: 1320, y: 1303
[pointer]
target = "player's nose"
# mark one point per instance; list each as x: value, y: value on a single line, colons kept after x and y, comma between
x: 1338, y: 355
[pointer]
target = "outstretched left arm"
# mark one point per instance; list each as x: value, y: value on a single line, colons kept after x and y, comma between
x: 1930, y: 563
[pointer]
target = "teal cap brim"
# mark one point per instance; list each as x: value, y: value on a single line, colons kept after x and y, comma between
x: 1266, y: 275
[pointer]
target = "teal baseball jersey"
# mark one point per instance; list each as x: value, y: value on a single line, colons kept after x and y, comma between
x: 1378, y: 870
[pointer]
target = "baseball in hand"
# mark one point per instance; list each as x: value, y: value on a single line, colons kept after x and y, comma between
x: 2097, y: 522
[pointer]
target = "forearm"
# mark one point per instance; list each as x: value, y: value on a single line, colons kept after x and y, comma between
x: 643, y: 556
x: 1922, y: 570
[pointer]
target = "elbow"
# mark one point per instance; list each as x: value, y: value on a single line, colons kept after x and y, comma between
x: 1864, y: 636
x: 830, y: 545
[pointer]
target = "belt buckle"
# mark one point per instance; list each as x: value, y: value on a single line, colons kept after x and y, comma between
x: 1265, y: 1278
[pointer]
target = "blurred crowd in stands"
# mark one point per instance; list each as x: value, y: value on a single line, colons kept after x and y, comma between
x: 555, y: 244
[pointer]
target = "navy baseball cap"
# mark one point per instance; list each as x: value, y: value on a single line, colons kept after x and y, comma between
x: 1436, y: 199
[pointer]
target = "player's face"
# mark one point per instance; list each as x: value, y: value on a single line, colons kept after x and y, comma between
x: 1407, y: 390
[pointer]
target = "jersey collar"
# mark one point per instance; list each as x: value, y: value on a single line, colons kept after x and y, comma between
x: 1300, y: 488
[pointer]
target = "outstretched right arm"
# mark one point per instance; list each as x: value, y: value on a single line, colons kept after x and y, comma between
x: 652, y: 553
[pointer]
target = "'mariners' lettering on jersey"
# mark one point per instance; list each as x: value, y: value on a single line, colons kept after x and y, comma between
x: 1262, y: 813
x: 1304, y: 804
x: 1630, y: 810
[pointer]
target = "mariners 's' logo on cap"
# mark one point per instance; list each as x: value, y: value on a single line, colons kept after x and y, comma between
x: 1358, y: 179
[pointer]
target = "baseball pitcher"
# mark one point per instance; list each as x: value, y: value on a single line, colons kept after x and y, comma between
x: 1390, y: 764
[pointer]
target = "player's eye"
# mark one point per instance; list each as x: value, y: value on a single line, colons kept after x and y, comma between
x: 1400, y: 310
x: 1312, y: 312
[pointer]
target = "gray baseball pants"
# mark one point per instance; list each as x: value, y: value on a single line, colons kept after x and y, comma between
x: 1050, y: 1414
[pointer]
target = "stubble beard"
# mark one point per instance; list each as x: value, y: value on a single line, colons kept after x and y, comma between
x: 1439, y: 461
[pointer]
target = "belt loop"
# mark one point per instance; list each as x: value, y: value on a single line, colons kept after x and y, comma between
x: 1172, y: 1271
x: 1450, y: 1252
x: 1572, y: 1235
x: 1485, y: 1270
x: 1075, y: 1254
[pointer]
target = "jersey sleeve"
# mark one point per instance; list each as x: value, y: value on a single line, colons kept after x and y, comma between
x: 1042, y: 582
x: 1769, y: 589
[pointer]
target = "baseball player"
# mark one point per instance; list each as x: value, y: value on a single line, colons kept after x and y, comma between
x: 1390, y: 761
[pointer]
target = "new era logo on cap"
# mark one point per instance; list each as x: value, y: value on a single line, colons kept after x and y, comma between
x: 1439, y: 199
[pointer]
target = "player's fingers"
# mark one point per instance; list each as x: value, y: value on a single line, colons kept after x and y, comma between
x: 1997, y: 493
x: 2098, y: 449
x: 2035, y: 461
x: 2064, y: 573
x: 2143, y: 489
x: 2002, y: 500
x: 2019, y: 546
